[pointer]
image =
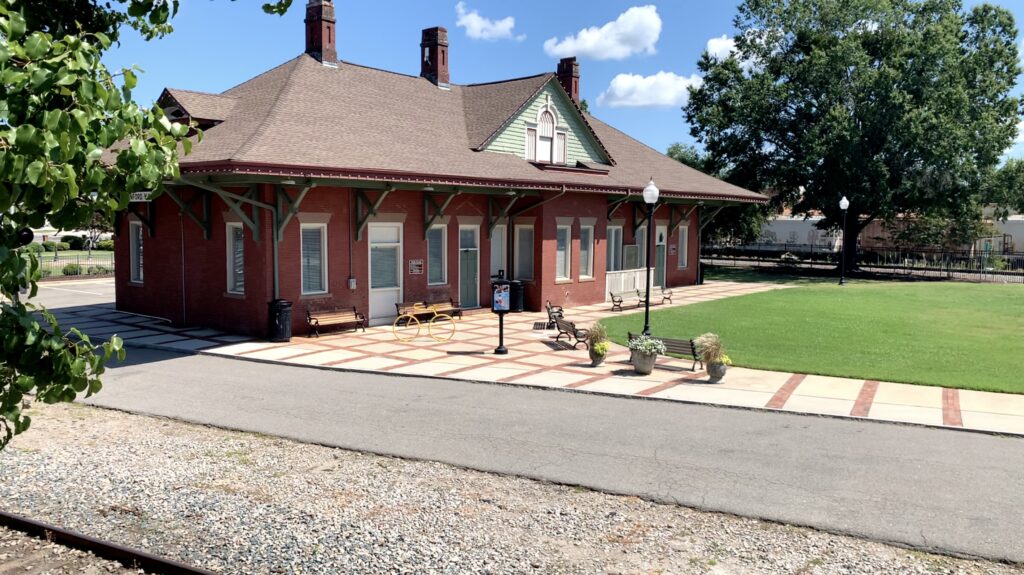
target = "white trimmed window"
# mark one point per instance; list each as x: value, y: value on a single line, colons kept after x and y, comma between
x: 437, y: 255
x: 684, y: 242
x: 641, y: 243
x: 544, y: 142
x: 524, y: 252
x: 135, y: 250
x: 236, y: 258
x: 563, y: 239
x: 314, y: 258
x: 587, y: 251
x: 614, y: 256
x: 498, y: 252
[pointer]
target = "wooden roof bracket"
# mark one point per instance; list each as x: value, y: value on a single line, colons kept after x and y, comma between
x: 287, y: 208
x: 235, y: 201
x: 365, y: 209
x: 639, y: 216
x: 149, y: 220
x: 186, y: 208
x: 614, y: 205
x: 707, y: 219
x: 492, y: 218
x: 432, y: 211
x: 677, y: 209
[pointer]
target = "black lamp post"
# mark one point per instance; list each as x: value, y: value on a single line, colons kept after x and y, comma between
x: 651, y: 193
x: 844, y: 204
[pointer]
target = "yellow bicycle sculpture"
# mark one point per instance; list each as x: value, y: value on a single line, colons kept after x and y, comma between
x: 407, y: 327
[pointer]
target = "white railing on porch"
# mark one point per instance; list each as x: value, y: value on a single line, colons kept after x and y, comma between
x: 625, y: 281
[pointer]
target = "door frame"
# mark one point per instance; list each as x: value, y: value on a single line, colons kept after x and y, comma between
x: 369, y: 266
x: 663, y: 260
x: 476, y: 232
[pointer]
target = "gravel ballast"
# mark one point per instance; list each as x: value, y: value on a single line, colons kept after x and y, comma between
x: 249, y: 504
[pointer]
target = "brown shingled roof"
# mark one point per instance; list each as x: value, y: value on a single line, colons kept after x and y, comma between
x: 303, y: 117
x: 201, y: 105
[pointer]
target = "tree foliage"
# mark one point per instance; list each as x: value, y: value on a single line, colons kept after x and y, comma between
x: 73, y: 147
x: 902, y: 106
x: 1004, y: 188
x: 733, y: 224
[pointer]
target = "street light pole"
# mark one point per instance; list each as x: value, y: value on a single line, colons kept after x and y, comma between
x: 651, y: 193
x: 844, y: 204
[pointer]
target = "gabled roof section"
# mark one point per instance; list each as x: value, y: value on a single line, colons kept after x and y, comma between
x: 491, y: 107
x: 201, y: 105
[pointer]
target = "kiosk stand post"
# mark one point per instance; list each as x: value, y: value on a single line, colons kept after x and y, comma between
x: 500, y: 305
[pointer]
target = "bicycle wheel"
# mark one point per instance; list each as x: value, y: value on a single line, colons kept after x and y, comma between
x: 406, y: 328
x: 441, y: 327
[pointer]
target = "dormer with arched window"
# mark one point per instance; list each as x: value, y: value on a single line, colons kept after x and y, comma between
x: 545, y: 141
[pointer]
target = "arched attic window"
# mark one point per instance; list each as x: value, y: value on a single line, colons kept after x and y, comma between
x: 544, y: 142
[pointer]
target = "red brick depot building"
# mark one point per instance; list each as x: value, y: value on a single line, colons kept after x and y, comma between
x: 326, y: 183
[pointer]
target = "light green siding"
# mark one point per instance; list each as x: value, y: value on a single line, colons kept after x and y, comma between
x: 579, y: 145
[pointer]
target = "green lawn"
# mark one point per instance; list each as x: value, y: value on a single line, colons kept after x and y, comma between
x: 952, y: 334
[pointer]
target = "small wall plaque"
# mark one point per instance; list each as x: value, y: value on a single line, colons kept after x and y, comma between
x: 415, y: 267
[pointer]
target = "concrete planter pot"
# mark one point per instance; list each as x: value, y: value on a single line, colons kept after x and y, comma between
x: 643, y: 363
x: 716, y: 371
x: 596, y: 359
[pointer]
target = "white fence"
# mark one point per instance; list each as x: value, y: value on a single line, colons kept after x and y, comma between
x: 626, y: 281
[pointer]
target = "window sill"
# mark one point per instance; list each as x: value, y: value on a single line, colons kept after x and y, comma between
x: 134, y: 283
x: 316, y: 295
x: 587, y: 279
x: 445, y: 284
x: 562, y: 281
x: 234, y: 295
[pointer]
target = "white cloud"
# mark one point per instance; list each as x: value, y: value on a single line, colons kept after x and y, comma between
x: 661, y: 89
x: 480, y: 28
x: 720, y: 48
x: 635, y: 31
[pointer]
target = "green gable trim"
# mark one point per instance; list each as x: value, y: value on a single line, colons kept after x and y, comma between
x: 581, y: 145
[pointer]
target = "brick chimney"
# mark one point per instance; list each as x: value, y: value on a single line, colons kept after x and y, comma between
x: 569, y: 77
x: 320, y: 32
x: 434, y: 56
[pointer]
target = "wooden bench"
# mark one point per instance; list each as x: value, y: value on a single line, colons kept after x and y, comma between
x: 681, y: 347
x: 569, y: 329
x: 618, y: 298
x: 448, y: 307
x: 554, y: 311
x: 424, y: 310
x: 322, y: 317
x: 666, y: 296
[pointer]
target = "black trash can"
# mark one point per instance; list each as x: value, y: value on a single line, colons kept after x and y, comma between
x: 515, y: 296
x: 279, y: 320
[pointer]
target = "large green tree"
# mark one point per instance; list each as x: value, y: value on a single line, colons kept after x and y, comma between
x: 902, y: 106
x: 73, y: 144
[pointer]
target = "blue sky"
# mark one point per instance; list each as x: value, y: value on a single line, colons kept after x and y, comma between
x: 636, y: 59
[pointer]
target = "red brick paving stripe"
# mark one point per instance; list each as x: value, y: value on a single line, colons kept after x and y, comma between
x: 862, y: 406
x: 951, y: 408
x: 303, y: 354
x: 259, y: 349
x: 778, y: 401
x: 657, y: 388
x: 579, y: 384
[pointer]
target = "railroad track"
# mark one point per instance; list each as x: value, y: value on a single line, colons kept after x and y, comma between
x: 127, y: 556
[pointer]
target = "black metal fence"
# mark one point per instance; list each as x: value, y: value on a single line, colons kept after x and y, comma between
x: 97, y: 264
x: 966, y: 265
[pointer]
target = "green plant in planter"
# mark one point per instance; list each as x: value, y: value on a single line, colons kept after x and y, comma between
x: 597, y: 343
x: 601, y: 348
x: 712, y: 353
x: 647, y: 345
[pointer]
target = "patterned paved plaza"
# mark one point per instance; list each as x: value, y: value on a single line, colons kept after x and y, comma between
x: 536, y: 359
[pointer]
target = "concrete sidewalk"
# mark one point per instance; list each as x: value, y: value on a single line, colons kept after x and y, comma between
x: 535, y: 359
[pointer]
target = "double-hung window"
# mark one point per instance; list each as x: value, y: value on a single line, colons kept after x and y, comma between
x: 236, y: 258
x: 437, y: 255
x: 614, y: 256
x: 524, y: 252
x: 587, y: 251
x: 544, y: 142
x: 314, y: 258
x: 135, y: 250
x: 684, y: 242
x: 563, y: 241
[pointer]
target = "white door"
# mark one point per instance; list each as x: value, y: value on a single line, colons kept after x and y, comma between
x: 385, y: 271
x: 469, y: 266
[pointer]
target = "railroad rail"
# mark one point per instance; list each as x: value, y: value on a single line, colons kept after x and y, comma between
x: 127, y: 556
